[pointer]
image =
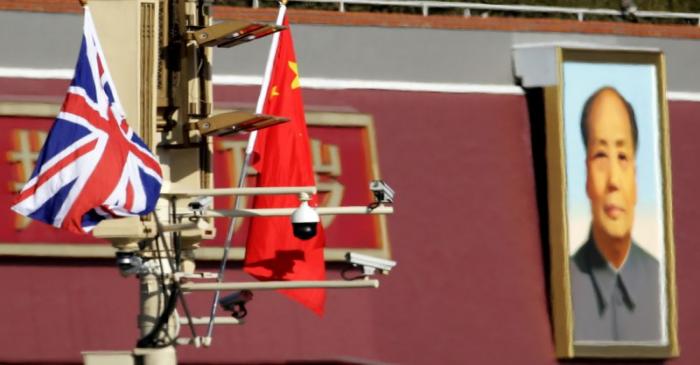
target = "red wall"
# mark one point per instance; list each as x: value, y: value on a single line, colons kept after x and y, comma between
x: 470, y: 280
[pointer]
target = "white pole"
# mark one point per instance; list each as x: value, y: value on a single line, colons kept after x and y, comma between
x: 198, y: 321
x: 248, y: 153
x: 266, y: 78
x: 275, y: 285
x: 273, y: 190
x: 285, y: 212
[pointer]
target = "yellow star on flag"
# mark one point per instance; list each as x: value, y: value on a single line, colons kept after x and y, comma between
x: 274, y: 92
x: 295, y: 69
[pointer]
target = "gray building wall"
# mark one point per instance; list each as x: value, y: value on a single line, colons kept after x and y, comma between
x: 331, y: 52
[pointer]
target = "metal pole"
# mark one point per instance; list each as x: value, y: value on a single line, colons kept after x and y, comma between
x: 151, y: 302
x: 164, y: 356
x: 275, y: 285
x: 241, y: 177
x: 243, y: 191
x: 279, y: 212
x: 205, y: 320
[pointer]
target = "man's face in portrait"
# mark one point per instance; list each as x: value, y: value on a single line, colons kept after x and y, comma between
x: 611, y: 171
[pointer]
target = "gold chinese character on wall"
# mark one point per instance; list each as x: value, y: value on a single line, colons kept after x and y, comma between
x: 26, y: 145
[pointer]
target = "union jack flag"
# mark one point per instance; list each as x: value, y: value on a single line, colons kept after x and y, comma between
x: 92, y: 165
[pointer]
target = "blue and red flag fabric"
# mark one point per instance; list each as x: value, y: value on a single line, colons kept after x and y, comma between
x: 283, y: 158
x: 92, y: 165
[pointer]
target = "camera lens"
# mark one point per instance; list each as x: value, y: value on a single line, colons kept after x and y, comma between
x: 304, y: 231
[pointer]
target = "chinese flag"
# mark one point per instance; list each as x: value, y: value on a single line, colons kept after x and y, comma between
x: 283, y: 158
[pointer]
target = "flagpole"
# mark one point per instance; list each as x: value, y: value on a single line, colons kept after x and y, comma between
x: 242, y: 175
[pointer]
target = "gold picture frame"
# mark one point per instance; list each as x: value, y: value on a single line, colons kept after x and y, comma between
x: 571, y: 105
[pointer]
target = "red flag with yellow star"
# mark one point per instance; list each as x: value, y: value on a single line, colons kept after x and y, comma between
x: 283, y: 158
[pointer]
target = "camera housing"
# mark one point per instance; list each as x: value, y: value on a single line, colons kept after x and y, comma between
x: 369, y: 264
x: 235, y: 303
x: 200, y: 204
x: 383, y: 194
x: 129, y: 263
x: 305, y: 222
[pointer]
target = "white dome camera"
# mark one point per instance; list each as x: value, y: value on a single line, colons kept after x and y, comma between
x: 305, y: 221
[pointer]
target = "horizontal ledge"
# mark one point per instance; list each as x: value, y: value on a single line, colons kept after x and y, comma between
x: 51, y: 109
x: 373, y: 84
x: 280, y: 212
x: 274, y: 285
x: 177, y: 227
x: 279, y: 190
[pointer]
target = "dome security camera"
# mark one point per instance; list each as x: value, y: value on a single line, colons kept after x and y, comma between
x: 305, y: 221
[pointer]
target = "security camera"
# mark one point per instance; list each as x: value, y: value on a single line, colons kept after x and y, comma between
x: 382, y: 192
x: 129, y: 263
x: 201, y: 203
x: 235, y: 303
x: 369, y: 264
x: 305, y: 221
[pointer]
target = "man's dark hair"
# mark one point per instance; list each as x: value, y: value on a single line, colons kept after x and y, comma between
x: 587, y: 107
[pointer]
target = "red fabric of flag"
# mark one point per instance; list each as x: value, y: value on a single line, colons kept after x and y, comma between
x: 283, y: 158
